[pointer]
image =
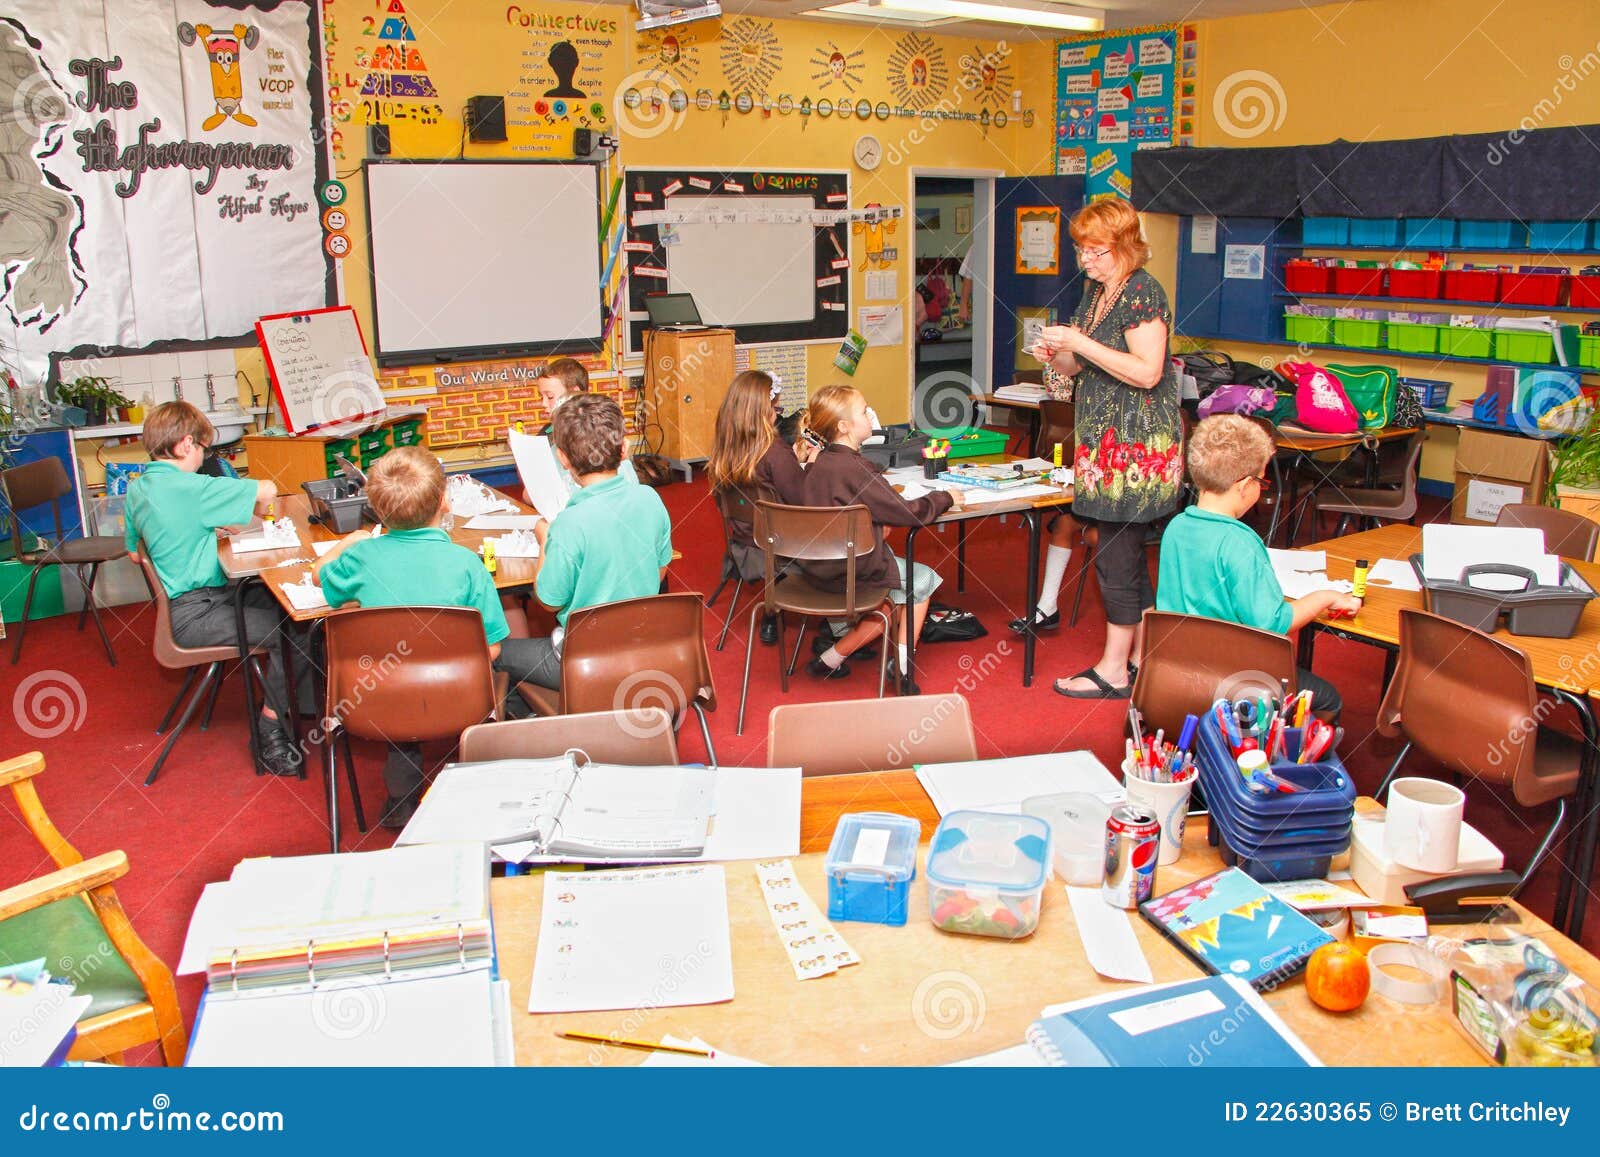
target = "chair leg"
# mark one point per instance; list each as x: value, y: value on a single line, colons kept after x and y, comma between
x: 794, y: 660
x: 189, y: 674
x: 705, y: 732
x: 27, y: 609
x: 749, y: 650
x: 1077, y: 595
x: 727, y: 573
x: 212, y: 672
x: 1394, y: 769
x: 883, y: 651
x: 211, y: 702
x: 961, y: 558
x: 330, y: 784
x: 350, y: 778
x: 89, y: 604
x: 1545, y: 845
x: 733, y: 607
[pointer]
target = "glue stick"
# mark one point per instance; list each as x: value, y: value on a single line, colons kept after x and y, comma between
x: 1358, y: 579
x: 489, y: 560
x: 1057, y: 456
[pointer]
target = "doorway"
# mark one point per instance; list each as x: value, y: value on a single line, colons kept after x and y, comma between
x: 950, y: 311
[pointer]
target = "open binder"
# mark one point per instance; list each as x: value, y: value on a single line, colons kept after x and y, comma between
x: 569, y: 809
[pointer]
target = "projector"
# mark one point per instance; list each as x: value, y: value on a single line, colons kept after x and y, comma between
x: 664, y: 13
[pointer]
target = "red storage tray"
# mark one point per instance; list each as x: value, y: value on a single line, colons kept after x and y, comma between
x: 1416, y: 283
x: 1472, y: 284
x: 1534, y: 288
x: 1307, y: 277
x: 1358, y: 282
x: 1585, y: 292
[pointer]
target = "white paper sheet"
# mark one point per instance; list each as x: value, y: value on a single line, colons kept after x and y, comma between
x: 33, y: 1024
x: 1108, y: 940
x: 304, y: 596
x: 210, y: 923
x: 1015, y: 1057
x: 980, y: 497
x: 1000, y: 785
x: 1447, y: 550
x: 647, y: 938
x: 322, y: 548
x: 1297, y: 585
x: 717, y: 1060
x: 540, y: 473
x: 504, y: 522
x: 1395, y: 574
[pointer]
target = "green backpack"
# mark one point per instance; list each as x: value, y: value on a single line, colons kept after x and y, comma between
x: 1371, y: 390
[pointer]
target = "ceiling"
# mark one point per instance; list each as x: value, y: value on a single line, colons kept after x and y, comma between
x: 1118, y: 14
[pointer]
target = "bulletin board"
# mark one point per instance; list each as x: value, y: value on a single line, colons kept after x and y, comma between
x: 317, y: 360
x: 1116, y: 95
x: 771, y: 228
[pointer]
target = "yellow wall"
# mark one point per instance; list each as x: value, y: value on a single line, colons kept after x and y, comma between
x: 1388, y: 70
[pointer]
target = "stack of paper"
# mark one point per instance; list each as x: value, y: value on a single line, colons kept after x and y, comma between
x: 1301, y: 572
x: 1000, y: 785
x: 1448, y: 550
x: 542, y: 477
x: 1022, y: 392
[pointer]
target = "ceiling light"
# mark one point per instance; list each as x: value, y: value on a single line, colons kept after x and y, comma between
x: 1039, y: 16
x: 859, y: 11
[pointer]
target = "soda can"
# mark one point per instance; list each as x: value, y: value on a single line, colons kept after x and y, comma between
x: 1133, y: 843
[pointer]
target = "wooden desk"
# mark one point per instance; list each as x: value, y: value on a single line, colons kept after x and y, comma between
x: 925, y: 997
x: 1300, y: 447
x: 1309, y: 443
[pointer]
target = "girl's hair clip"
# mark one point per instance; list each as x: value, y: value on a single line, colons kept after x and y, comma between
x: 777, y: 386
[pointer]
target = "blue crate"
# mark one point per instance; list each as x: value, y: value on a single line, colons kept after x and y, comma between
x: 1325, y: 231
x: 1433, y: 393
x: 1434, y: 233
x: 1558, y: 236
x: 1374, y: 231
x: 1485, y: 234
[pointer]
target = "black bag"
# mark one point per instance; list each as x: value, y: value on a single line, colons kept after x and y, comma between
x: 1408, y: 413
x: 946, y: 624
x: 1209, y: 369
x: 651, y: 466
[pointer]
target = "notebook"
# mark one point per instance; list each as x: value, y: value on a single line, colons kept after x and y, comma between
x: 1213, y: 1022
x: 569, y: 809
x: 1232, y: 926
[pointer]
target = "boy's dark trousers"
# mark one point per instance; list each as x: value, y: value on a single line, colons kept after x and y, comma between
x: 205, y: 618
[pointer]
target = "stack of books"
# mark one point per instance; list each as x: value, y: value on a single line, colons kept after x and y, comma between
x: 1021, y: 392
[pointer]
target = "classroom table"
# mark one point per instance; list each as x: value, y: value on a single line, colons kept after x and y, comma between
x: 1566, y: 667
x: 1297, y: 448
x: 925, y: 997
x: 1029, y: 509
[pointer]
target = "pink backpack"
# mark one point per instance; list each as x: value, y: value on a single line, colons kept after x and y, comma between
x: 1320, y: 401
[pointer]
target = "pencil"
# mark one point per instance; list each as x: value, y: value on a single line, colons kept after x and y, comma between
x: 625, y: 1043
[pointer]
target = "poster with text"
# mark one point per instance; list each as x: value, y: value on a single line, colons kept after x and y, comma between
x: 1115, y: 95
x: 160, y: 171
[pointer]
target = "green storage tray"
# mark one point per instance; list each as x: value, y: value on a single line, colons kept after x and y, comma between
x: 1411, y: 338
x: 408, y: 433
x: 1589, y: 351
x: 1515, y: 346
x: 1357, y: 333
x: 1466, y: 342
x: 374, y: 442
x: 972, y: 443
x: 1311, y: 330
x: 332, y: 450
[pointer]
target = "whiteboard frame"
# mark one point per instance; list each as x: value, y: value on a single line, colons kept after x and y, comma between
x: 425, y: 357
x: 272, y: 370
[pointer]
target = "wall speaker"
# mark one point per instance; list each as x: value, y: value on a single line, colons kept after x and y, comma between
x: 378, y: 140
x: 486, y: 118
x: 582, y: 142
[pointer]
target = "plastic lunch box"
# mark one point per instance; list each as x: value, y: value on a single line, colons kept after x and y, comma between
x: 870, y: 865
x: 986, y: 873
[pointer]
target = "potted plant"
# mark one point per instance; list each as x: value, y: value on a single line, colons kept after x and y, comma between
x: 95, y: 396
x: 1575, y: 471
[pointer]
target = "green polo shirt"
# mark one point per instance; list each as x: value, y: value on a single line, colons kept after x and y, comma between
x: 177, y: 514
x: 1216, y: 566
x: 610, y: 543
x: 414, y: 568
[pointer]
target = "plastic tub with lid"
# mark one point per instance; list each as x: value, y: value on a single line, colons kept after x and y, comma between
x: 1077, y: 834
x: 870, y: 865
x: 986, y: 873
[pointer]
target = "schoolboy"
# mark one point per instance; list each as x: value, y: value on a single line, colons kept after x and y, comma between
x: 1212, y: 564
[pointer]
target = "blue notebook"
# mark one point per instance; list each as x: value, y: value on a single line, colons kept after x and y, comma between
x: 1213, y: 1022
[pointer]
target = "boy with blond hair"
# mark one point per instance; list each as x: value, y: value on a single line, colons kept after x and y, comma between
x: 1212, y: 564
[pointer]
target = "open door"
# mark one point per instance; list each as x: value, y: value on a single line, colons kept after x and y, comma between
x: 1026, y: 288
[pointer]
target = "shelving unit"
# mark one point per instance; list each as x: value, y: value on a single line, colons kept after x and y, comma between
x: 1449, y: 305
x: 1386, y: 353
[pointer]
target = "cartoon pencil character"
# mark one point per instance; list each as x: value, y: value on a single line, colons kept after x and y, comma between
x: 227, y: 81
x: 875, y: 233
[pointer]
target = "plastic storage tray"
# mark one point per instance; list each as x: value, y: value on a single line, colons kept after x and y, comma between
x: 1308, y: 277
x: 345, y: 448
x: 986, y: 873
x: 1589, y: 351
x: 1472, y: 284
x: 337, y: 503
x: 1328, y: 795
x: 972, y: 443
x: 1558, y: 236
x: 1534, y: 288
x: 1425, y: 283
x: 1461, y: 341
x: 1271, y: 869
x: 1430, y: 231
x: 407, y: 433
x: 1325, y: 231
x: 1311, y: 330
x: 870, y: 865
x: 1546, y: 612
x: 1374, y: 231
x: 1410, y: 338
x: 1433, y: 393
x: 1358, y: 281
x: 1521, y: 345
x: 1485, y: 234
x: 1585, y: 291
x: 1077, y: 833
x: 1358, y: 333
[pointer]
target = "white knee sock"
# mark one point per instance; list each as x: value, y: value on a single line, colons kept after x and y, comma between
x: 1055, y: 572
x: 831, y: 658
x: 901, y: 647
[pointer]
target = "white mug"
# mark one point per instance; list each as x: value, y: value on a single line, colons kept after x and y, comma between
x: 1422, y: 829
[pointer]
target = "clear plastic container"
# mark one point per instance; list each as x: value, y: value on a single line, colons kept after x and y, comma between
x: 986, y: 873
x: 871, y: 863
x: 1077, y: 834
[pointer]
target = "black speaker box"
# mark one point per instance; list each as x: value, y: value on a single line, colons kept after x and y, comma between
x: 378, y: 140
x: 486, y: 118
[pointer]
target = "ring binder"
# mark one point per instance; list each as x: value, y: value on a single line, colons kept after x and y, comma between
x: 233, y: 969
x: 386, y: 973
x: 311, y: 961
x: 461, y: 947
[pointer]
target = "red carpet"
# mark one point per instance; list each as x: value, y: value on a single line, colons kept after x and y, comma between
x: 208, y: 811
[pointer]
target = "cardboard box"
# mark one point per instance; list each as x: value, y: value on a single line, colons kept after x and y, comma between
x: 1495, y: 469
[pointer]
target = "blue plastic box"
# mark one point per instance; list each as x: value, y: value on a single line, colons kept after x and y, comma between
x: 1436, y: 232
x: 870, y: 865
x: 1374, y: 231
x: 1558, y: 236
x: 1485, y: 234
x: 1325, y: 231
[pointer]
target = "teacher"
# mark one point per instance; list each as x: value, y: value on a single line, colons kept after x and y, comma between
x: 1128, y: 435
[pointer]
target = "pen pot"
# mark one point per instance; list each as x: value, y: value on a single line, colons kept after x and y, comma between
x: 1169, y: 802
x: 933, y: 467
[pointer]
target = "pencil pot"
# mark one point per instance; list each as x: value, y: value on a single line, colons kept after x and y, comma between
x: 933, y: 467
x: 1169, y: 802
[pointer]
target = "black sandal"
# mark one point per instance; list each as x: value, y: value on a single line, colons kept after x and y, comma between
x: 1103, y: 690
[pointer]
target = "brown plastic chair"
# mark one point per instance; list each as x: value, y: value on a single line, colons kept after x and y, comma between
x: 735, y: 505
x: 869, y: 735
x: 634, y: 653
x: 401, y: 675
x: 1467, y: 702
x: 189, y: 660
x: 34, y: 484
x: 1565, y: 533
x: 813, y: 534
x: 1190, y: 661
x: 1376, y: 505
x: 1056, y: 424
x: 73, y: 919
x: 641, y: 736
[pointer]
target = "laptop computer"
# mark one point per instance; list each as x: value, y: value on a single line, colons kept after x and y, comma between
x: 673, y: 311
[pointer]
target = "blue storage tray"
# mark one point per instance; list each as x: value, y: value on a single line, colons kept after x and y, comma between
x: 1325, y: 231
x: 1371, y: 231
x: 1253, y: 833
x: 1438, y: 231
x: 1272, y: 869
x: 1485, y: 234
x: 1329, y: 792
x: 1558, y: 236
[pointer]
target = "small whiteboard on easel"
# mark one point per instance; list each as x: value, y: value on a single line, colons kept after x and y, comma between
x: 321, y: 374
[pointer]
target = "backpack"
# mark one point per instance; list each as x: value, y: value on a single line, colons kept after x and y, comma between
x: 1371, y: 390
x: 1408, y: 413
x: 1235, y: 399
x: 1320, y: 402
x: 1209, y: 369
